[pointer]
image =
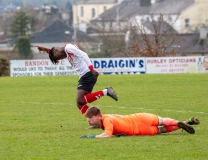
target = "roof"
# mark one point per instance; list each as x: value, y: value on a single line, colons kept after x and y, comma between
x: 191, y: 43
x: 95, y: 1
x: 180, y: 43
x: 162, y: 27
x: 59, y: 32
x: 129, y: 8
x: 171, y: 6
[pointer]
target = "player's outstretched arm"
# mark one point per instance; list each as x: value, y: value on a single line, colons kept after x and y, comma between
x: 41, y: 48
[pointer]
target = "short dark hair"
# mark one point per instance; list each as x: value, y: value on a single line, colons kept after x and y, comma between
x: 54, y: 61
x: 92, y: 111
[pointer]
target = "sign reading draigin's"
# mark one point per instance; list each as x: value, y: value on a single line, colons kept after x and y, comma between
x: 20, y: 68
x: 119, y: 65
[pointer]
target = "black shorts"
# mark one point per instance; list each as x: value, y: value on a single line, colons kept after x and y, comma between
x: 87, y: 82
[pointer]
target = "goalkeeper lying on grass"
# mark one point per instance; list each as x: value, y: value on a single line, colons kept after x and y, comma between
x: 138, y: 124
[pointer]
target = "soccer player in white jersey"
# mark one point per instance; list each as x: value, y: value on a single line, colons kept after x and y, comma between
x: 87, y: 74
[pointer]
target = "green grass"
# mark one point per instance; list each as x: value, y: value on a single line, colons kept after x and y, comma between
x: 39, y: 119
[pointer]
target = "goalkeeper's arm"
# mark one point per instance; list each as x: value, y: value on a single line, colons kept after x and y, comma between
x: 103, y: 135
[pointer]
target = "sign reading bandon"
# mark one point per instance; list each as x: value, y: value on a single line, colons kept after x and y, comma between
x: 19, y: 68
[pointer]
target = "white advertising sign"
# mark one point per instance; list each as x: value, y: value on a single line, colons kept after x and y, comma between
x: 119, y: 65
x: 164, y: 65
x: 20, y: 68
x: 154, y: 65
x: 102, y: 65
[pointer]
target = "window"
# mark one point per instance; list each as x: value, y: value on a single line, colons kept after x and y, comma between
x: 187, y: 22
x: 82, y: 11
x: 93, y: 13
x: 104, y: 8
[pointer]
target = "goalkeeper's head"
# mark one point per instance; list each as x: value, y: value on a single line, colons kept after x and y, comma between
x: 94, y: 117
x: 92, y: 111
x: 56, y: 54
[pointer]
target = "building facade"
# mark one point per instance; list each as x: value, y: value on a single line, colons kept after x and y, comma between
x: 86, y: 10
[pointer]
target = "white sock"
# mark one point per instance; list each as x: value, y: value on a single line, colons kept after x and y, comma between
x: 105, y: 92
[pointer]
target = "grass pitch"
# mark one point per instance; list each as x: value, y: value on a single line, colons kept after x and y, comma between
x: 39, y: 119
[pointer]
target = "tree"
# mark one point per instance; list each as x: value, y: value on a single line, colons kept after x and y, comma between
x: 23, y: 44
x: 19, y: 31
x: 4, y: 66
x: 20, y: 24
x: 112, y: 42
x: 152, y: 37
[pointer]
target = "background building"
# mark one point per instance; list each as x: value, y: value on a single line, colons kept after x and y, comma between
x: 86, y: 10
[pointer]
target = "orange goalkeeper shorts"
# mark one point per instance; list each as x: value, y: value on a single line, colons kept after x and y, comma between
x: 147, y: 123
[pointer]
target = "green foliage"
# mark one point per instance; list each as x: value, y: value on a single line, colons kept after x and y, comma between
x: 19, y: 29
x: 39, y: 118
x: 4, y: 66
x: 23, y: 45
x: 20, y: 24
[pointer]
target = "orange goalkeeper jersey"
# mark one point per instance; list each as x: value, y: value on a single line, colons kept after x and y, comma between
x: 134, y: 124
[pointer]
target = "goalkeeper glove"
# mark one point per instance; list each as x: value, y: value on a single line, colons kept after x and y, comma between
x: 88, y: 136
x: 119, y: 135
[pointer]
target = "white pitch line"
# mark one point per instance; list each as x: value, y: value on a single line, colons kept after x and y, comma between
x: 48, y: 103
x: 165, y: 110
x: 123, y: 107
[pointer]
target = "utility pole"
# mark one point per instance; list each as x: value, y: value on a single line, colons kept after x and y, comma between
x: 117, y: 18
x: 75, y: 34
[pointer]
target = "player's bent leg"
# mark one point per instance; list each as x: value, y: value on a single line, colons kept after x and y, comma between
x: 91, y: 97
x: 79, y: 97
x: 80, y: 104
x: 83, y: 108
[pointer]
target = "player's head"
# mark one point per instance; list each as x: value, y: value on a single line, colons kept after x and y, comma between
x: 56, y: 54
x: 51, y: 56
x: 92, y: 111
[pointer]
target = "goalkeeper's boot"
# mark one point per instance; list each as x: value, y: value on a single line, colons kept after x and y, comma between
x: 193, y: 121
x: 111, y: 93
x: 186, y: 127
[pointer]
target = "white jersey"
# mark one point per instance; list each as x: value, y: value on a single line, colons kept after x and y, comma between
x: 78, y: 59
